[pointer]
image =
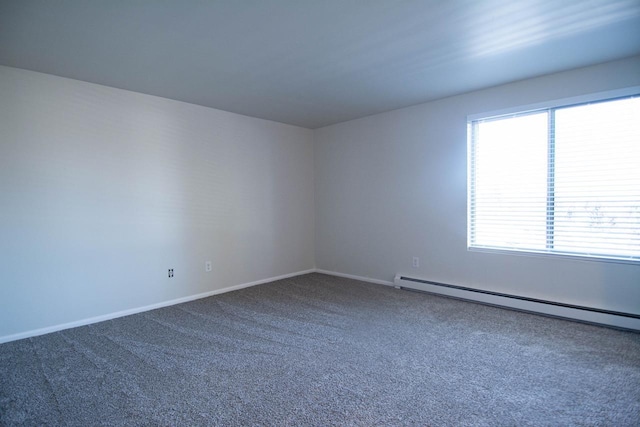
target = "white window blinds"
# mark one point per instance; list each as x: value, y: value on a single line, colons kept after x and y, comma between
x: 562, y: 180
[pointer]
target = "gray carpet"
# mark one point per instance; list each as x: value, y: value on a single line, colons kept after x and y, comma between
x: 320, y: 350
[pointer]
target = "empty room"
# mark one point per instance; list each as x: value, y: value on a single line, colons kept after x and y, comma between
x: 314, y: 213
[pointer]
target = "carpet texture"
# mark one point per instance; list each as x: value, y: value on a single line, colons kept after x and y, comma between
x: 318, y: 350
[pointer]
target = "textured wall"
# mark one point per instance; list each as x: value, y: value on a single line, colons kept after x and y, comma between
x: 393, y: 186
x: 102, y: 190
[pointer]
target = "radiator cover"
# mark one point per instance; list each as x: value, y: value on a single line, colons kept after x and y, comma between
x: 538, y: 306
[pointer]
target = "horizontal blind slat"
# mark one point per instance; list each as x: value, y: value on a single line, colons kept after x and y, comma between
x: 564, y: 180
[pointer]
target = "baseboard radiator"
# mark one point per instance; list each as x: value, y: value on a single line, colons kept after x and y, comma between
x: 557, y: 309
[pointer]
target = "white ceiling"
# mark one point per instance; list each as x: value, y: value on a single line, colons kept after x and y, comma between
x: 312, y: 63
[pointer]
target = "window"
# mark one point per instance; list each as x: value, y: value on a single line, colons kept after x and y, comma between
x: 561, y: 180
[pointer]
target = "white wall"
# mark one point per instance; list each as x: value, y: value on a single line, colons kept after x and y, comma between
x: 393, y: 186
x: 102, y: 190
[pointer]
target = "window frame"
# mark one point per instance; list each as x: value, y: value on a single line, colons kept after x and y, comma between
x: 516, y: 111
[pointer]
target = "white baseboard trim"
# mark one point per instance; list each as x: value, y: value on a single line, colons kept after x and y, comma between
x: 351, y: 276
x: 102, y: 318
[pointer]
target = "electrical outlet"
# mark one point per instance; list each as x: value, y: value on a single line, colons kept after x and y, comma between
x: 416, y: 262
x: 171, y: 272
x: 207, y: 266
